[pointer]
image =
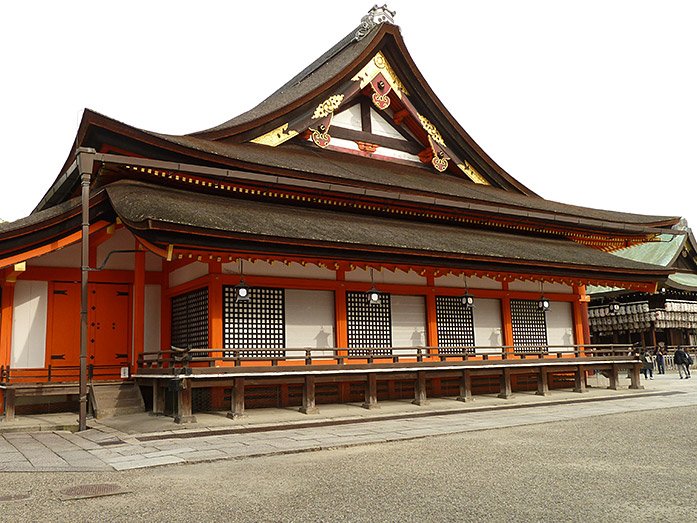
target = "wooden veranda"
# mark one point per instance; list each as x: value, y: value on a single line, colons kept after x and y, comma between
x: 179, y: 371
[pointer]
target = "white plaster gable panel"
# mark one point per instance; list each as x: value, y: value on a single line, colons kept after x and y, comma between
x: 379, y: 126
x: 66, y: 257
x: 280, y: 270
x: 187, y: 273
x: 29, y: 324
x: 153, y: 262
x: 349, y: 119
x: 473, y: 282
x: 121, y: 240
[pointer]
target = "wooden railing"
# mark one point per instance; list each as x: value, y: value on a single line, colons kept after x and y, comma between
x: 58, y: 373
x: 182, y: 358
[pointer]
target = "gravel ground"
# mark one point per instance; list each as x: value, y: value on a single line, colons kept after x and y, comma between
x: 626, y: 467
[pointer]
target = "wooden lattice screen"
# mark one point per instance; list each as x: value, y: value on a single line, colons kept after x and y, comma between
x: 189, y: 319
x: 455, y: 324
x: 529, y: 326
x: 369, y: 325
x: 257, y: 324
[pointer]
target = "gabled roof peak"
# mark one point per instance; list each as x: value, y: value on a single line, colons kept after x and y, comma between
x: 376, y: 16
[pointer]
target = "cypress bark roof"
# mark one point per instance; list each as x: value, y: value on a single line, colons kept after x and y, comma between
x: 147, y: 207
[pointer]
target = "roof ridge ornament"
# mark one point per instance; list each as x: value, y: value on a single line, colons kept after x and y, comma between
x: 377, y: 15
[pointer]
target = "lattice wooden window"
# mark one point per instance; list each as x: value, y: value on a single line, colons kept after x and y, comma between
x: 369, y: 325
x: 529, y: 326
x: 455, y: 324
x: 189, y: 320
x: 257, y: 324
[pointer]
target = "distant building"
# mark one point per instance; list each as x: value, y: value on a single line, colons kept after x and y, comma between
x: 668, y: 316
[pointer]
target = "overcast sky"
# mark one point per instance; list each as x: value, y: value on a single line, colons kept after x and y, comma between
x: 591, y: 103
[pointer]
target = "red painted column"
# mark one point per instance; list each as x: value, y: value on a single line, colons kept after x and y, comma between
x: 8, y: 293
x: 431, y: 320
x: 506, y: 319
x: 138, y: 308
x: 215, y: 307
x: 165, y: 308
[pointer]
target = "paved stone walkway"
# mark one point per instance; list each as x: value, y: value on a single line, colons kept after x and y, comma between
x: 105, y: 447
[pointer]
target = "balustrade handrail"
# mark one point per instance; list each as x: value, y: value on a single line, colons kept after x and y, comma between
x: 183, y: 357
x: 57, y: 373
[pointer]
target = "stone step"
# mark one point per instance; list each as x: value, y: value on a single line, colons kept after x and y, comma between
x: 116, y: 399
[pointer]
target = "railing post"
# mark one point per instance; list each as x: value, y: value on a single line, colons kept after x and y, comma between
x: 308, y: 357
x: 49, y: 373
x: 371, y: 392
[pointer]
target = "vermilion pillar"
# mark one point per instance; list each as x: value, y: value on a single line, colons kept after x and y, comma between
x: 138, y: 308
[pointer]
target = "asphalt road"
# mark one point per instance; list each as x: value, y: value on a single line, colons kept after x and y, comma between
x: 624, y: 467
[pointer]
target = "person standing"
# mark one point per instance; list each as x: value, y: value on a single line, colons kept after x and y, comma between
x: 680, y: 359
x: 688, y: 362
x: 646, y: 364
x: 660, y: 361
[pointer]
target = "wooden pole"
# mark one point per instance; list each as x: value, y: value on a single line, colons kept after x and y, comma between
x: 465, y: 386
x: 420, y: 389
x: 506, y: 391
x: 614, y: 377
x: 580, y: 379
x: 184, y: 403
x: 237, y: 399
x: 309, y: 405
x: 542, y: 382
x: 371, y: 392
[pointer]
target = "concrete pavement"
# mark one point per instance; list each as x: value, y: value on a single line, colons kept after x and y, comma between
x: 141, y: 440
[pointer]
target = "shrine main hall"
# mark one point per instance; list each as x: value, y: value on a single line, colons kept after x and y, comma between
x: 345, y: 240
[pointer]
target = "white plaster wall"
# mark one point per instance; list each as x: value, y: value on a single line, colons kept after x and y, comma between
x: 152, y: 318
x: 408, y: 314
x: 397, y: 277
x: 488, y: 329
x: 349, y: 119
x: 381, y: 127
x: 280, y: 270
x: 309, y: 320
x: 153, y: 262
x: 451, y: 280
x: 29, y: 324
x: 66, y: 257
x: 534, y: 286
x: 187, y: 273
x: 122, y: 239
x: 560, y: 325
